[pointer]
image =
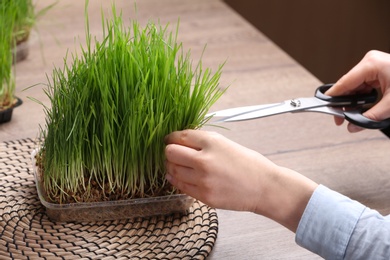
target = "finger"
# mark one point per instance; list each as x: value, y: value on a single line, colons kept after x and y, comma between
x: 338, y: 120
x: 182, y: 173
x: 194, y: 191
x: 381, y: 110
x: 364, y: 72
x: 189, y: 189
x: 378, y: 112
x: 190, y: 138
x: 181, y: 155
x: 354, y: 128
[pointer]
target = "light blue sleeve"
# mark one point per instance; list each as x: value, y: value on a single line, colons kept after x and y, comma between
x: 336, y: 227
x: 371, y: 237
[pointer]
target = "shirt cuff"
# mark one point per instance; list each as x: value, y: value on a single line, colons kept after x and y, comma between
x: 327, y: 223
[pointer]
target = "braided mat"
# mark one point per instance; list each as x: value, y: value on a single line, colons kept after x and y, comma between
x: 27, y: 233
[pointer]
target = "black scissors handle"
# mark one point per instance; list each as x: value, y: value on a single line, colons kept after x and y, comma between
x: 347, y: 100
x: 354, y: 116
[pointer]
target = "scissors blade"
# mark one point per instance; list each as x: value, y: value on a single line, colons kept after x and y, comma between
x: 292, y: 105
x: 238, y: 110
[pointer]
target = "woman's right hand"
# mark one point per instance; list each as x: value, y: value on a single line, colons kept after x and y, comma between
x: 373, y: 71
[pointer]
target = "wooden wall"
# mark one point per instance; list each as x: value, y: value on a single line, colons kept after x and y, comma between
x: 327, y: 37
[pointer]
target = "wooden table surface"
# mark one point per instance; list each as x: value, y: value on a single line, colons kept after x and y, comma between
x: 257, y: 72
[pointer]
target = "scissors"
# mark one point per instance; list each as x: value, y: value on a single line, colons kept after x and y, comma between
x: 349, y: 107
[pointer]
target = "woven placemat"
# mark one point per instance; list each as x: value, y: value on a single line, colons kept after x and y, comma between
x: 27, y: 233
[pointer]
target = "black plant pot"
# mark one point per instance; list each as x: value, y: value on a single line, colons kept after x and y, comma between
x: 6, y: 114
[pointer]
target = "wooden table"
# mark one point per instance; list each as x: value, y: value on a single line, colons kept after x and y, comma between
x: 258, y: 72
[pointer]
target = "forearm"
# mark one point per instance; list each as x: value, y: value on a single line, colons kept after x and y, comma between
x: 284, y: 197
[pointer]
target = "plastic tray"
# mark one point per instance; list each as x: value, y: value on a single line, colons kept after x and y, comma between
x: 111, y: 210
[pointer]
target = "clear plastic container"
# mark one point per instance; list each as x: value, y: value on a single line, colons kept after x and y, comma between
x: 111, y: 210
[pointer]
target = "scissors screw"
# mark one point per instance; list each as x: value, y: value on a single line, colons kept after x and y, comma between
x: 295, y: 103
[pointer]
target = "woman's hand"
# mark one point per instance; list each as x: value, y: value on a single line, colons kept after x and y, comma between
x: 226, y: 175
x: 216, y: 170
x: 373, y: 71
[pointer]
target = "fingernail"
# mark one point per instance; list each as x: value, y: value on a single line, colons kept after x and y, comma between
x: 169, y: 177
x: 166, y: 139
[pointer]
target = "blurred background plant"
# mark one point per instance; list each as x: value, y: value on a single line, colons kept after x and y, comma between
x: 25, y: 18
x: 8, y: 14
x: 17, y: 18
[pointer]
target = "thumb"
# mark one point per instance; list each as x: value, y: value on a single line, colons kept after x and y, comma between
x: 381, y: 110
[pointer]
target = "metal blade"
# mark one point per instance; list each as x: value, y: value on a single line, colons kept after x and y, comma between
x: 293, y: 105
x: 238, y: 110
x: 267, y: 111
x: 335, y: 111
